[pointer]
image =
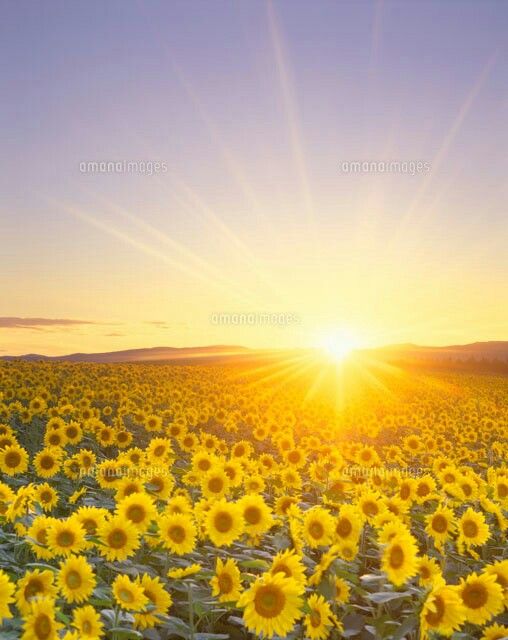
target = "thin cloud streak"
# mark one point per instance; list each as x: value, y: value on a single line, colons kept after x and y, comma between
x: 11, y: 322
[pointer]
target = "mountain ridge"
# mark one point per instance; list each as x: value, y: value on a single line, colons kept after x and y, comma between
x: 480, y: 349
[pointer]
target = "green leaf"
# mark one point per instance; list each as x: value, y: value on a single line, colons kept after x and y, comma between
x: 406, y: 627
x: 61, y: 616
x: 387, y: 596
x: 125, y: 633
x: 353, y: 624
x: 255, y: 564
x: 177, y: 627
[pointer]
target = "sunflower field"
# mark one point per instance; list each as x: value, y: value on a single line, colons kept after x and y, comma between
x: 209, y: 502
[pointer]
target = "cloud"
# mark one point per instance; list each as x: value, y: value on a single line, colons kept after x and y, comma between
x: 38, y: 324
x: 162, y: 324
x: 114, y: 335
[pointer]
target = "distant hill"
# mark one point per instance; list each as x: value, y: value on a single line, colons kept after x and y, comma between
x: 470, y: 354
x: 492, y: 350
x: 143, y: 355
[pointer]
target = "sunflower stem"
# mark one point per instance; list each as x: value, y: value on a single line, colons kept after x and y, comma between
x: 115, y: 633
x: 191, y: 611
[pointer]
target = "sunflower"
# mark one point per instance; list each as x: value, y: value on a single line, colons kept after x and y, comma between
x: 66, y: 537
x: 226, y: 583
x: 468, y: 489
x: 440, y: 525
x: 129, y: 595
x: 267, y: 463
x: 21, y: 504
x: 73, y: 432
x: 318, y: 527
x: 234, y: 471
x: 79, y: 493
x: 295, y: 457
x: 54, y: 438
x: 106, y: 436
x: 153, y: 423
x: 254, y: 483
x: 399, y: 560
x: 320, y: 619
x: 215, y: 483
x: 428, y: 571
x: 406, y: 490
x: 412, y: 444
x: 177, y: 532
x: 188, y: 442
x: 473, y: 530
x: 159, y: 601
x: 6, y: 593
x: 342, y: 590
x: 109, y: 474
x: 396, y: 506
x: 390, y: 528
x: 139, y: 509
x: 119, y: 538
x: 272, y: 605
x: 5, y: 430
x: 7, y: 440
x: 324, y: 564
x: 32, y: 586
x: 86, y: 459
x: 40, y: 623
x: 481, y: 596
x: 501, y: 491
x: 495, y: 632
x: 6, y: 496
x: 203, y: 461
x: 178, y: 503
x: 159, y: 450
x: 13, y: 460
x: 37, y: 405
x: 192, y: 478
x: 290, y: 564
x: 370, y: 504
x: 500, y: 571
x: 160, y: 485
x: 291, y: 479
x: 90, y: 519
x: 48, y: 462
x: 76, y: 579
x: 256, y: 513
x: 123, y: 438
x: 283, y: 503
x: 72, y: 469
x: 425, y: 489
x: 442, y: 612
x: 37, y: 535
x: 46, y: 496
x: 241, y: 449
x: 319, y: 473
x: 127, y: 486
x: 88, y: 623
x: 184, y: 572
x: 348, y: 524
x: 224, y: 523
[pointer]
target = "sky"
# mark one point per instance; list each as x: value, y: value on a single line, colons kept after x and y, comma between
x: 241, y: 219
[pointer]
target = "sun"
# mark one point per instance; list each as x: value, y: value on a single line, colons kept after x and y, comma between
x: 338, y: 345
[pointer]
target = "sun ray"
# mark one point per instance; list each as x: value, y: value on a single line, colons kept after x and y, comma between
x: 449, y: 139
x: 198, y: 274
